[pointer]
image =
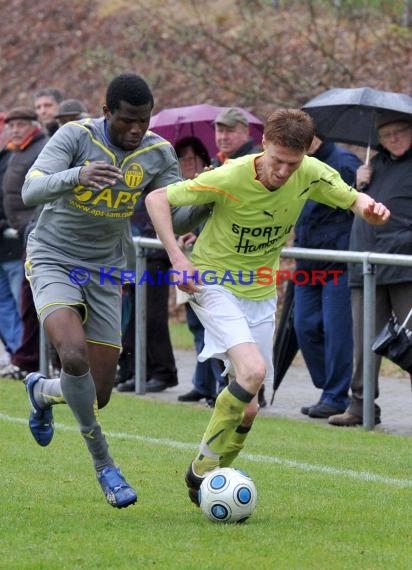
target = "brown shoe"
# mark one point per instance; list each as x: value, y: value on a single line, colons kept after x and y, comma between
x: 345, y: 420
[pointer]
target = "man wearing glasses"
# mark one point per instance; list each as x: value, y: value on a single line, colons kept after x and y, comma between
x: 388, y: 178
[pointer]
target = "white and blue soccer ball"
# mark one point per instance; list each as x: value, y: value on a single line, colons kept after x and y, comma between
x: 227, y: 495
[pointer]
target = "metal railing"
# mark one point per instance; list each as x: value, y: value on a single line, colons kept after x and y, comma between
x: 368, y: 260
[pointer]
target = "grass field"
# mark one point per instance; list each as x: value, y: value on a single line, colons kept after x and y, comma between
x: 326, y: 499
x: 181, y: 337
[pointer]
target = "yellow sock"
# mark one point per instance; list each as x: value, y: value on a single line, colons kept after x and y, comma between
x: 227, y: 416
x: 234, y: 446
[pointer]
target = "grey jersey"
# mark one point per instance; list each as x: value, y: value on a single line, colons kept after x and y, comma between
x: 84, y: 224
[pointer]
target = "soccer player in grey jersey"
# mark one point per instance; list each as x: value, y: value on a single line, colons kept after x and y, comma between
x: 89, y: 178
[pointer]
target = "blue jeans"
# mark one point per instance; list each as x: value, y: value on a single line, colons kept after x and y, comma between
x: 11, y: 329
x: 207, y: 378
x: 323, y: 325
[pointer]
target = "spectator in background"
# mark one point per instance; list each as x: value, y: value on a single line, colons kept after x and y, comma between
x: 70, y: 110
x: 207, y: 378
x: 232, y: 136
x: 11, y: 271
x: 46, y: 105
x: 193, y: 156
x: 321, y: 309
x: 386, y: 178
x: 26, y: 141
x: 27, y: 358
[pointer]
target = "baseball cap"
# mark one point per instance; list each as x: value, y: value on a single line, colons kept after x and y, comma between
x: 385, y: 117
x: 230, y: 117
x: 24, y: 113
x: 71, y: 107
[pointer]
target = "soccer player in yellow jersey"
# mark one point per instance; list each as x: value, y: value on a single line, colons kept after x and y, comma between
x: 256, y: 202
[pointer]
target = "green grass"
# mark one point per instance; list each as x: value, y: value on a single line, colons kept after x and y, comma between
x: 327, y: 498
x: 182, y: 338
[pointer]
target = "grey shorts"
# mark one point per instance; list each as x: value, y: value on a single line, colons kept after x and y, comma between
x: 99, y: 305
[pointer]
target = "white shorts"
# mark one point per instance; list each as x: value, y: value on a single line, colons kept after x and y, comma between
x: 231, y: 320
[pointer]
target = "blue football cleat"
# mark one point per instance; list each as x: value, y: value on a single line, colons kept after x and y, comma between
x: 117, y: 491
x: 41, y: 419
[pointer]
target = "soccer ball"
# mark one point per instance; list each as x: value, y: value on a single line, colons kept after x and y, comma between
x: 227, y: 495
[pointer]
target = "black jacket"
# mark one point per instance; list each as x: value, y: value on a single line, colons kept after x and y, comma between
x: 10, y: 247
x: 391, y: 184
x: 18, y: 214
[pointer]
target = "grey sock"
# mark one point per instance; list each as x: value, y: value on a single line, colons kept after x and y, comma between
x: 47, y: 392
x: 80, y: 395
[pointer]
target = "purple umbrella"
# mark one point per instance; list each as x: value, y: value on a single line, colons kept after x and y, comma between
x: 197, y: 121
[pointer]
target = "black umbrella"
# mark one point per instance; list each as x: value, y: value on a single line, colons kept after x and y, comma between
x: 348, y: 115
x: 395, y: 343
x: 285, y: 346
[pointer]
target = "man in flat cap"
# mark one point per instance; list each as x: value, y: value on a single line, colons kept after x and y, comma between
x: 26, y: 140
x: 232, y: 136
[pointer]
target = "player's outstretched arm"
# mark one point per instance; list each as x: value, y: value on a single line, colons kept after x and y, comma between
x: 372, y: 212
x: 158, y: 208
